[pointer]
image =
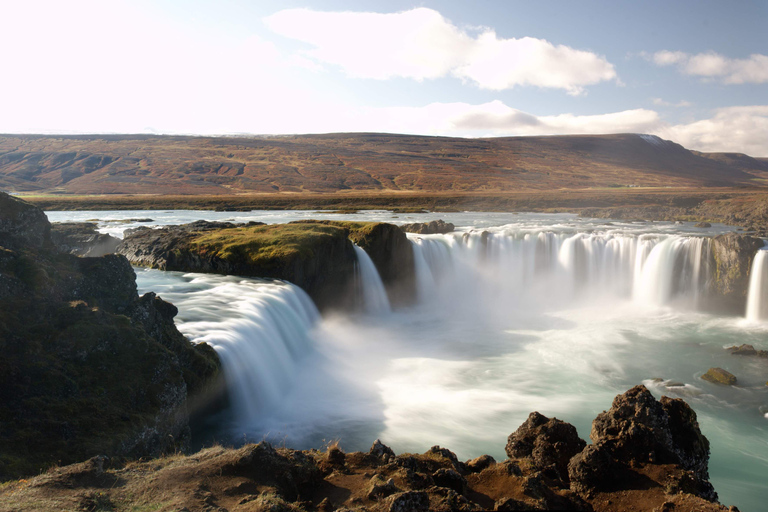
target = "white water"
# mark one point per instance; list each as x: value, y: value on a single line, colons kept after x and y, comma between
x: 552, y: 313
x: 545, y: 267
x: 369, y: 285
x: 261, y: 340
x: 757, y: 300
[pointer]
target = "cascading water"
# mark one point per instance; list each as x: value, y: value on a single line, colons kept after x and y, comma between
x: 652, y: 269
x: 757, y: 298
x: 260, y: 330
x: 369, y: 285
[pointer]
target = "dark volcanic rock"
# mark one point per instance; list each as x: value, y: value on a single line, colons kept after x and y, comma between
x: 262, y: 477
x: 429, y: 228
x: 317, y: 256
x: 639, y: 430
x: 320, y: 263
x: 87, y: 366
x: 22, y: 225
x: 548, y: 443
x: 731, y: 258
x: 82, y: 239
x: 392, y: 253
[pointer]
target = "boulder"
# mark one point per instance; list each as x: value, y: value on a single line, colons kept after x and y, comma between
x: 639, y: 430
x: 547, y: 442
x: 719, y: 376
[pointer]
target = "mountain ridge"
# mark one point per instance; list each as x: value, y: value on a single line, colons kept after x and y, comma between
x: 328, y: 163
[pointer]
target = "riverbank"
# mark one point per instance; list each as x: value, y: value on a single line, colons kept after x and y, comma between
x: 745, y: 207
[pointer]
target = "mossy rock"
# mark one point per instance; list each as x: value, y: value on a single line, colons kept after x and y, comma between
x: 719, y: 376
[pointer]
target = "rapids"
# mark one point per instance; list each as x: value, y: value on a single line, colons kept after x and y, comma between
x: 541, y: 312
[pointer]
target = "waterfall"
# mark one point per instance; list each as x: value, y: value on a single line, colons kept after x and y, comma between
x: 757, y: 298
x: 259, y: 329
x: 370, y: 287
x: 652, y: 270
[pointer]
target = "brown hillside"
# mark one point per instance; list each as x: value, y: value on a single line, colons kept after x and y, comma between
x: 141, y: 164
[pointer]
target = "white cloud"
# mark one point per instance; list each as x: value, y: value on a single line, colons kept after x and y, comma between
x: 421, y: 44
x: 753, y: 69
x: 733, y: 129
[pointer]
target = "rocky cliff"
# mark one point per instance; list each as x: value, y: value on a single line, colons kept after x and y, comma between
x: 87, y: 365
x: 647, y: 455
x: 731, y: 257
x: 317, y: 256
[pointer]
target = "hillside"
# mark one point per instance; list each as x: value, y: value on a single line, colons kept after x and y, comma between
x: 151, y: 164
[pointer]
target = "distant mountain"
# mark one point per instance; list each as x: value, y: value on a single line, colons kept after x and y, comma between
x: 152, y: 164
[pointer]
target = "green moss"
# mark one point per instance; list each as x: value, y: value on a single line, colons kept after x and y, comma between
x: 265, y: 246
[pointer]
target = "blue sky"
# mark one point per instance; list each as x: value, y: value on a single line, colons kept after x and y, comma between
x: 692, y: 71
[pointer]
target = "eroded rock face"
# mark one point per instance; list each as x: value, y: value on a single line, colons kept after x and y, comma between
x: 392, y: 253
x: 87, y: 366
x: 429, y: 228
x: 548, y: 442
x: 82, y: 239
x: 731, y: 258
x: 22, y: 225
x: 639, y: 430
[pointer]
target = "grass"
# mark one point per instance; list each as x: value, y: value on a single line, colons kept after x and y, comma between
x: 265, y: 246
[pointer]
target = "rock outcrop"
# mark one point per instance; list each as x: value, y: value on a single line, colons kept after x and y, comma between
x: 731, y: 261
x: 317, y: 256
x: 429, y: 228
x: 392, y: 253
x: 548, y: 443
x: 647, y: 455
x: 82, y: 239
x: 638, y: 431
x: 87, y: 365
x: 719, y: 376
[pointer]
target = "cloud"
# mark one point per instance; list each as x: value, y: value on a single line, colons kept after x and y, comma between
x: 753, y: 69
x: 741, y: 129
x: 495, y: 118
x: 421, y: 44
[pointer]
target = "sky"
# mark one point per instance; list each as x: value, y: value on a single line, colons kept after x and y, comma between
x: 695, y: 72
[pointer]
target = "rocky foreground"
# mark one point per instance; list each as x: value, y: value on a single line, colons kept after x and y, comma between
x: 646, y: 455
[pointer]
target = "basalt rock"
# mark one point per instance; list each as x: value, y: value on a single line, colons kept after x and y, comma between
x: 429, y: 228
x: 730, y: 262
x: 637, y: 431
x: 82, y: 239
x: 547, y: 442
x: 22, y: 225
x: 608, y: 475
x: 87, y: 366
x: 316, y: 257
x: 392, y: 253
